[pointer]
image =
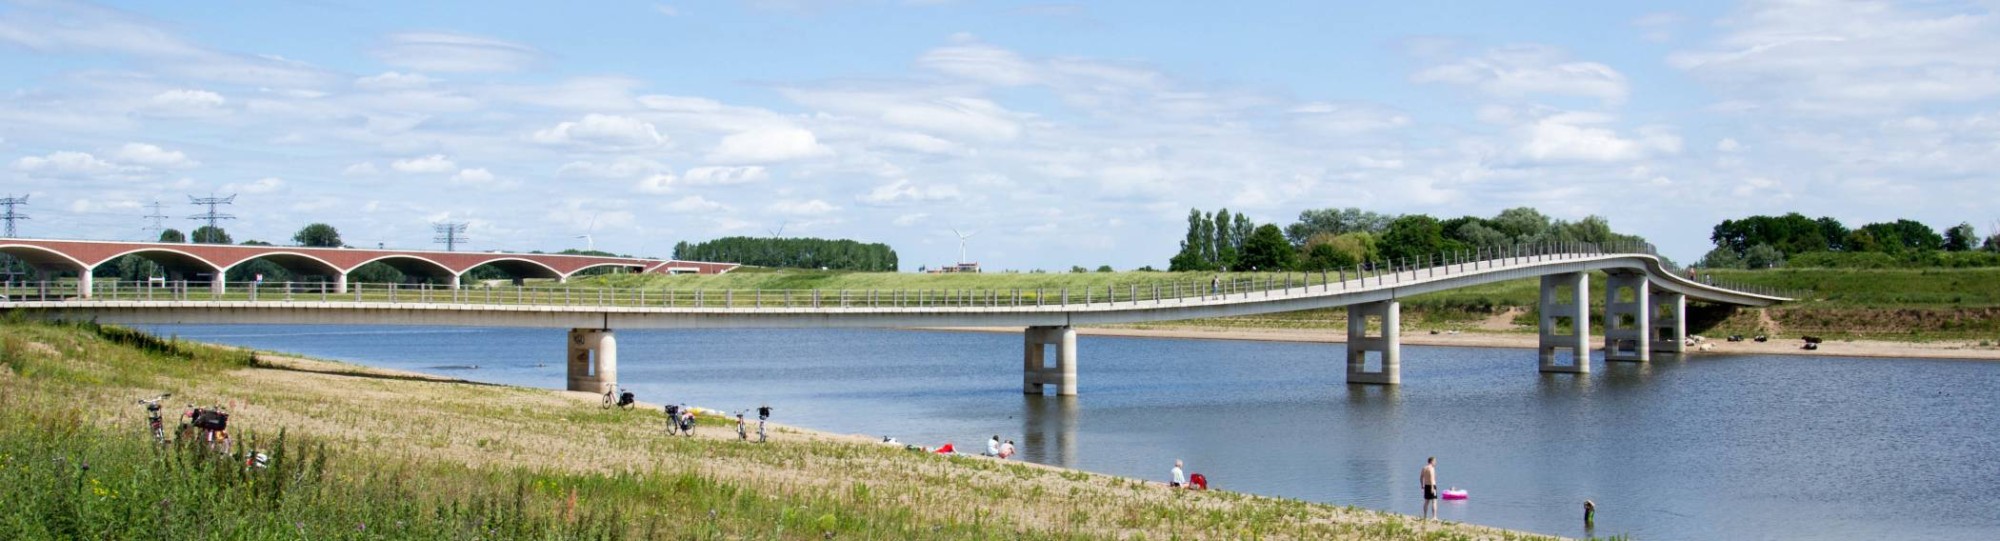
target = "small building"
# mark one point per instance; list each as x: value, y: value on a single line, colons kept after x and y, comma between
x: 960, y: 267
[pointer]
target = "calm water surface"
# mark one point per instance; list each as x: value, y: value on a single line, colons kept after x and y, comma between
x: 1713, y: 447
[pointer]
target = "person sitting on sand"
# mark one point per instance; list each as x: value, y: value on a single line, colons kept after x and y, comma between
x: 1007, y: 449
x: 993, y: 446
x: 1180, y: 478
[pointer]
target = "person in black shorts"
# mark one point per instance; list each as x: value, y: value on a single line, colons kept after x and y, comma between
x: 1429, y: 478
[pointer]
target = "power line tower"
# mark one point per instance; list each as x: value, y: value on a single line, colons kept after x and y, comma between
x: 211, y: 216
x: 157, y: 228
x: 10, y: 202
x: 450, y: 235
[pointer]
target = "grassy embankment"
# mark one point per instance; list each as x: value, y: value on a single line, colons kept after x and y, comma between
x: 1878, y: 304
x: 359, y: 454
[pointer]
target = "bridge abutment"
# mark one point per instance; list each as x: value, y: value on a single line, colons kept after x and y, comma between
x: 1386, y: 345
x: 1565, y: 322
x: 1627, y: 321
x: 1669, y: 320
x: 593, y: 360
x: 1035, y: 370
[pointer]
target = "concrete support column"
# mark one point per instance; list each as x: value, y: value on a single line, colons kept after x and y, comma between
x: 340, y: 282
x: 1565, y: 300
x: 1386, y: 343
x: 1627, y: 322
x: 218, y: 284
x: 83, y: 282
x: 1669, y: 318
x: 455, y: 279
x: 1035, y: 371
x: 593, y: 360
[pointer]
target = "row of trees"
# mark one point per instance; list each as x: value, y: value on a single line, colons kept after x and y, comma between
x: 1770, y: 241
x: 1327, y: 239
x: 796, y: 253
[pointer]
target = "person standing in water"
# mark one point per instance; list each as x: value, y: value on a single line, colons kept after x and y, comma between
x: 1429, y: 478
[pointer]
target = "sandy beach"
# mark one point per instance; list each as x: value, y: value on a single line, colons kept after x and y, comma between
x: 1960, y: 350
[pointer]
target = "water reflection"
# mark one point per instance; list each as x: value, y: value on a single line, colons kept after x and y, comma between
x: 1048, y: 429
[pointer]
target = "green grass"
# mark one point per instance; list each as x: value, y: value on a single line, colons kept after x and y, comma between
x: 383, y: 458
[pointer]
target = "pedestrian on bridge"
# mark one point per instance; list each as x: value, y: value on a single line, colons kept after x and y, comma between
x: 1215, y: 286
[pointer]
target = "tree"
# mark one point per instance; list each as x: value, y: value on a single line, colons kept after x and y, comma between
x: 1960, y: 238
x: 1267, y: 250
x: 318, y: 235
x: 1763, y: 256
x: 1323, y: 257
x: 1335, y: 222
x: 1722, y: 258
x: 1904, y: 236
x: 1521, y: 224
x: 172, y: 235
x: 1104, y: 268
x: 210, y: 235
x: 796, y: 253
x: 1190, y: 257
x: 1413, y: 236
x: 1225, y: 250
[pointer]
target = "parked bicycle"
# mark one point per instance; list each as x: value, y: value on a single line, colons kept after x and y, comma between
x: 673, y: 418
x: 153, y: 420
x: 212, y: 424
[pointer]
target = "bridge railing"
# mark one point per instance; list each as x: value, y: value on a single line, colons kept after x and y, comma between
x: 1176, y: 290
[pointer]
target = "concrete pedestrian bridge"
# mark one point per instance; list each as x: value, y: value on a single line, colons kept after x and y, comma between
x: 1644, y: 307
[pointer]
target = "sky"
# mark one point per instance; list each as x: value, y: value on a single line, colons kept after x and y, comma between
x: 1061, y: 133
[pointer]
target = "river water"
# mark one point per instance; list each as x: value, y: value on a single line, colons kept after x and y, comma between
x: 1711, y: 447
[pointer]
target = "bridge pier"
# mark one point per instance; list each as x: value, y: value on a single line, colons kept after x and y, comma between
x: 83, y: 282
x: 593, y: 360
x: 1565, y: 301
x: 340, y: 282
x: 1035, y: 371
x: 1627, y: 325
x: 217, y: 284
x: 1386, y: 344
x: 1669, y: 322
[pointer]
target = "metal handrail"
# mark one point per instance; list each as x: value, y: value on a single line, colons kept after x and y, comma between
x: 1223, y: 286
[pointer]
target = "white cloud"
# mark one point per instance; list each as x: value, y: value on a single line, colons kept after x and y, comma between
x: 360, y: 169
x: 262, y: 185
x: 435, y: 163
x: 813, y: 207
x: 187, y: 100
x: 657, y: 183
x: 473, y: 176
x: 724, y: 176
x: 696, y: 204
x: 66, y: 163
x: 1582, y: 137
x: 1728, y: 145
x: 1348, y: 118
x: 666, y: 10
x: 1852, y: 57
x: 146, y: 155
x: 390, y: 80
x: 769, y: 146
x: 911, y: 219
x: 449, y: 52
x: 620, y: 168
x: 980, y: 62
x: 1529, y: 70
x: 903, y: 190
x: 603, y: 131
x: 1658, y: 26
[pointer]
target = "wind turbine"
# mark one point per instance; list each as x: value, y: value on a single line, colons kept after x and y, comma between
x: 780, y: 231
x: 590, y: 244
x: 961, y: 243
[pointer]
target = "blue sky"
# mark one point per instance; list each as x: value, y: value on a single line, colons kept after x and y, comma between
x: 1065, y: 133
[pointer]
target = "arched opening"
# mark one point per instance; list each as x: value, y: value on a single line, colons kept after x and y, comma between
x: 602, y: 269
x: 510, y: 270
x: 401, y: 269
x: 284, y: 267
x: 157, y: 265
x: 25, y: 263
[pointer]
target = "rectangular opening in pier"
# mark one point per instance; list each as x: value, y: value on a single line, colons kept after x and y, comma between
x: 1565, y: 295
x: 1626, y: 321
x: 1371, y: 326
x: 1371, y: 362
x: 1563, y: 357
x: 1562, y: 326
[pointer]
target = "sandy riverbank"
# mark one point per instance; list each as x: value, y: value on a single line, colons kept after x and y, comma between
x: 1961, y: 350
